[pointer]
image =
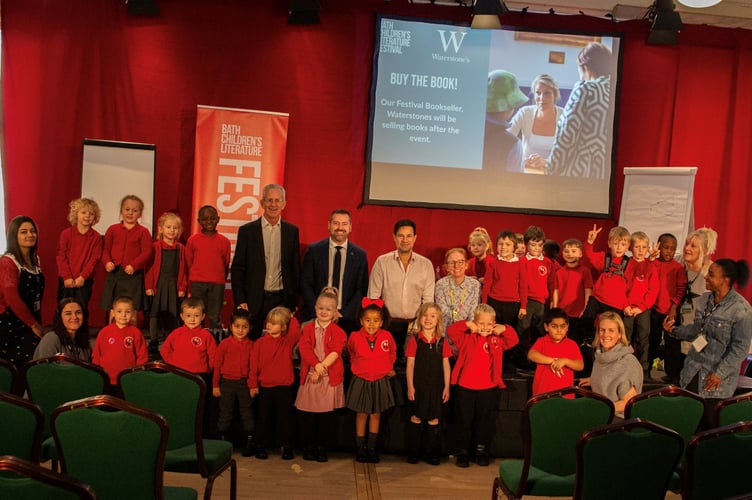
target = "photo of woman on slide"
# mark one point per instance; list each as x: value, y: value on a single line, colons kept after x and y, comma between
x: 581, y: 145
x: 537, y: 123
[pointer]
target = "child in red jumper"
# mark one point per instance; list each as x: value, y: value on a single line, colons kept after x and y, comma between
x: 119, y: 345
x: 557, y: 357
x: 78, y: 252
x: 642, y: 290
x: 272, y: 378
x: 232, y: 366
x: 166, y: 279
x: 372, y: 356
x: 208, y: 258
x: 505, y: 287
x: 573, y: 284
x: 322, y: 377
x: 477, y: 375
x: 480, y: 247
x: 539, y: 274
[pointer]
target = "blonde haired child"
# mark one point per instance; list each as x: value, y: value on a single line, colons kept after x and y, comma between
x: 78, y: 252
x: 322, y: 376
x: 119, y: 345
x: 272, y: 378
x: 166, y: 280
x: 479, y: 245
x: 427, y: 381
x: 126, y: 253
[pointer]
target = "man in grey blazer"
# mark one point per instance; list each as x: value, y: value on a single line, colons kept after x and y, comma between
x: 319, y: 264
x: 265, y: 270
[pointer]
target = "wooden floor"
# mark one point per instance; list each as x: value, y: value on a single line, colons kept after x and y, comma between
x: 344, y: 478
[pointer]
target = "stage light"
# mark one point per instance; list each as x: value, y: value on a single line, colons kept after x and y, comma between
x: 666, y: 23
x: 486, y: 14
x: 304, y: 12
x: 142, y: 7
x: 699, y: 4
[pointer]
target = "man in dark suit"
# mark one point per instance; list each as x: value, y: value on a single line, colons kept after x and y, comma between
x: 265, y: 270
x: 348, y: 272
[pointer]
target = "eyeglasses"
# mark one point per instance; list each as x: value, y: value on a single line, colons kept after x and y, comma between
x: 455, y: 263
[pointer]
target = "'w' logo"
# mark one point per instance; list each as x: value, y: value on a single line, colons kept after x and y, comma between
x: 452, y: 39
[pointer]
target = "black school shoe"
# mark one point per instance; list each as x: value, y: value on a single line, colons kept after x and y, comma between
x: 321, y: 455
x: 261, y: 454
x: 361, y: 455
x: 287, y: 453
x: 433, y: 459
x: 309, y: 454
x: 483, y: 459
x: 412, y: 459
x: 463, y: 461
x: 373, y: 457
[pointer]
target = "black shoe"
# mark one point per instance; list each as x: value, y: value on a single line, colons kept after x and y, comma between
x: 373, y: 457
x: 309, y: 454
x: 483, y: 459
x: 463, y: 461
x: 361, y: 455
x: 433, y: 460
x: 412, y: 459
x: 287, y: 453
x: 321, y: 455
x: 248, y: 449
x: 261, y: 454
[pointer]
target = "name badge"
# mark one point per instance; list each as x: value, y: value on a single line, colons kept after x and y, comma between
x: 700, y: 342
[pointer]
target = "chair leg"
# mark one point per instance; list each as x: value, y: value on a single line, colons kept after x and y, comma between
x: 233, y: 481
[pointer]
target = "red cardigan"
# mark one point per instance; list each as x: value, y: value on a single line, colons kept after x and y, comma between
x: 152, y: 274
x: 335, y: 340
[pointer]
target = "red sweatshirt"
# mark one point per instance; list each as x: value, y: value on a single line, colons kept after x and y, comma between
x: 191, y: 350
x: 672, y: 283
x: 371, y: 364
x: 505, y: 281
x: 271, y: 360
x: 119, y: 348
x: 571, y: 282
x: 642, y: 284
x: 208, y: 258
x: 78, y: 254
x: 611, y: 287
x: 127, y: 246
x: 479, y: 363
x: 232, y: 360
x: 539, y: 274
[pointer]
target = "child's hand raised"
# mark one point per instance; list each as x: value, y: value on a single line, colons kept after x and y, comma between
x: 655, y: 251
x: 499, y: 329
x: 593, y: 234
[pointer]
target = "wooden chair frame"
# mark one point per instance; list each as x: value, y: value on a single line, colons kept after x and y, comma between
x: 728, y: 402
x: 36, y: 411
x: 43, y: 475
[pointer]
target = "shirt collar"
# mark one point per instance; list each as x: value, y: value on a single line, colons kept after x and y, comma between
x: 530, y: 257
x: 266, y: 224
x: 334, y: 244
x: 513, y: 259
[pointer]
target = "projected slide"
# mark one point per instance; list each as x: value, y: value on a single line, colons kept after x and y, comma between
x: 492, y: 119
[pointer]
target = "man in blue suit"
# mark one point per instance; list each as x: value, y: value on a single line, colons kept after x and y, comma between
x: 335, y: 261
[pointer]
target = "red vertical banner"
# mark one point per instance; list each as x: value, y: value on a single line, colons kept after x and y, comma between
x: 238, y: 152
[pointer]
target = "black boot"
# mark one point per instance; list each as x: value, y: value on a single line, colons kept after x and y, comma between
x: 481, y: 456
x: 361, y: 451
x: 432, y: 445
x: 414, y: 432
x: 248, y: 449
x: 373, y: 456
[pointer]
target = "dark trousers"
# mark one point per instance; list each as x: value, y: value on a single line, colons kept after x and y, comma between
x: 709, y: 404
x: 258, y: 320
x: 398, y: 329
x: 507, y: 313
x: 211, y: 409
x: 316, y: 428
x: 656, y: 336
x: 532, y: 324
x: 475, y: 410
x: 637, y: 329
x: 275, y: 415
x: 213, y: 295
x: 592, y: 310
x: 233, y: 390
x: 82, y: 294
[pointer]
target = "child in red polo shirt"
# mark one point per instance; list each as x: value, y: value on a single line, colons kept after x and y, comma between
x: 539, y: 271
x: 372, y: 356
x: 120, y: 345
x: 477, y: 375
x: 557, y: 356
x: 272, y: 378
x: 191, y: 346
x: 231, y: 371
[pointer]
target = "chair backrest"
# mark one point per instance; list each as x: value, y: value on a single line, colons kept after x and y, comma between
x: 58, y: 379
x: 21, y: 424
x: 672, y: 407
x: 176, y: 394
x: 717, y: 465
x: 32, y: 482
x: 554, y: 423
x: 628, y: 460
x: 115, y: 446
x: 736, y: 409
x: 8, y: 376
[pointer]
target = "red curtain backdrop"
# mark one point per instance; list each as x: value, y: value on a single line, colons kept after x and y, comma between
x: 85, y: 69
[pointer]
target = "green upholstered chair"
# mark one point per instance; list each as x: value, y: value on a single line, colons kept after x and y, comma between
x: 58, y: 379
x: 717, y: 464
x: 179, y: 395
x: 20, y: 427
x: 8, y: 377
x: 24, y: 480
x: 552, y: 425
x: 116, y: 447
x: 735, y: 409
x: 672, y: 407
x: 628, y: 460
